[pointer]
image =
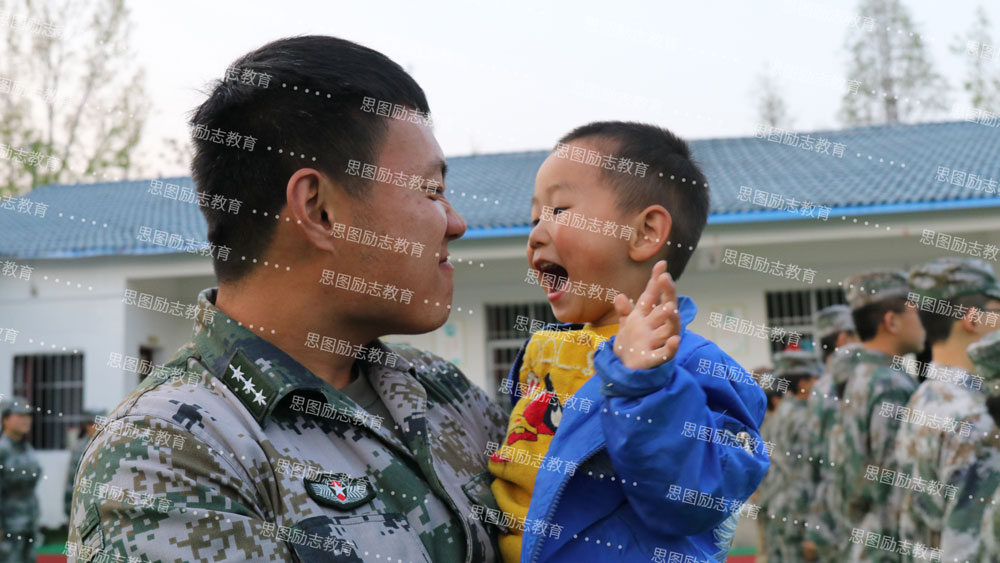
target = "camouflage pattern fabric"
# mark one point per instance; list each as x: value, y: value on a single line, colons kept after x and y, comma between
x: 788, y: 478
x: 833, y: 320
x: 75, y: 457
x: 938, y: 455
x: 19, y: 473
x: 869, y: 436
x: 822, y: 406
x: 871, y: 287
x: 234, y: 451
x: 949, y: 278
x: 972, y: 528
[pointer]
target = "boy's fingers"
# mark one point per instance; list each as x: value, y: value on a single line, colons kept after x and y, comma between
x: 622, y: 306
x: 651, y: 295
x: 668, y: 291
x: 669, y: 350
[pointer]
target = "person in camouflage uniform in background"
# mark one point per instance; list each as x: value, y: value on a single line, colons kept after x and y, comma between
x: 19, y: 473
x: 888, y: 326
x: 933, y: 458
x: 86, y: 433
x: 286, y: 430
x: 972, y: 528
x: 834, y: 330
x: 788, y: 489
x: 764, y: 492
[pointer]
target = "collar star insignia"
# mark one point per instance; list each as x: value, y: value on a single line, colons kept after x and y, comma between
x: 248, y: 386
x: 237, y: 372
x: 258, y: 398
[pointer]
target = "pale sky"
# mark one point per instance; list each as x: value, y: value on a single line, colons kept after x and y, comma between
x: 517, y: 75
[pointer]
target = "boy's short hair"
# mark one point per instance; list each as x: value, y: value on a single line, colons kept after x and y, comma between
x: 311, y: 106
x: 672, y: 180
x: 868, y: 318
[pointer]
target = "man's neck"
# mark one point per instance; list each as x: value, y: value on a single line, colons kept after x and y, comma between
x: 883, y: 344
x: 15, y: 436
x: 952, y: 353
x: 286, y: 315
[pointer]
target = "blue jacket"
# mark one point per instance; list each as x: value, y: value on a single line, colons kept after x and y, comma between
x: 626, y: 500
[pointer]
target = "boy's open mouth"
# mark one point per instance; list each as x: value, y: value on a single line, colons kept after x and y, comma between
x: 556, y: 282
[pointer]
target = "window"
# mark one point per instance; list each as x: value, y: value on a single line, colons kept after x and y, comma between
x: 53, y: 382
x: 504, y: 338
x: 794, y: 310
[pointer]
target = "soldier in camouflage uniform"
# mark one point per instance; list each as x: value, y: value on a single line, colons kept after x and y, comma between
x: 888, y: 326
x: 86, y: 433
x: 19, y: 473
x: 764, y: 492
x: 834, y: 330
x: 787, y: 492
x: 972, y: 528
x: 234, y: 451
x: 286, y: 430
x: 933, y: 458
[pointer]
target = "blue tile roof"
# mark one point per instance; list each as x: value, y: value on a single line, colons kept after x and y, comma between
x: 898, y: 176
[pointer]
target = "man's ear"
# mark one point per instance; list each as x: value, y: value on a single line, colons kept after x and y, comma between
x: 652, y: 232
x: 311, y: 199
x: 891, y: 321
x: 969, y: 322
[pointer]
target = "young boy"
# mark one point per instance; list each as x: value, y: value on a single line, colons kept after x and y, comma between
x: 652, y: 459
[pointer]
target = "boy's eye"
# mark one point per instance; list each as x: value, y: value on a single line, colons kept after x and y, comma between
x: 555, y: 211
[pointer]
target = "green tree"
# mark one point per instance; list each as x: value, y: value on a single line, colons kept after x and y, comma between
x: 771, y: 107
x: 75, y: 104
x: 891, y: 68
x: 982, y: 81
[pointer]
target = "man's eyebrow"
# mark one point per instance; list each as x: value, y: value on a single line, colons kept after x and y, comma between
x: 552, y: 188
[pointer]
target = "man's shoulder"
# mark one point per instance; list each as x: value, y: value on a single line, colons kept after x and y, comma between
x: 442, y: 380
x: 183, y: 393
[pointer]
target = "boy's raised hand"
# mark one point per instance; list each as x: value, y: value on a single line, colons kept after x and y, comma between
x: 649, y: 331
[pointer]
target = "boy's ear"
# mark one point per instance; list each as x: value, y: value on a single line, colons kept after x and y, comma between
x: 651, y: 233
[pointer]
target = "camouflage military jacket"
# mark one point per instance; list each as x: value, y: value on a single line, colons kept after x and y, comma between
x: 823, y: 405
x: 934, y: 456
x: 871, y: 418
x: 971, y: 528
x: 828, y: 510
x: 234, y: 451
x: 790, y: 471
x: 19, y: 472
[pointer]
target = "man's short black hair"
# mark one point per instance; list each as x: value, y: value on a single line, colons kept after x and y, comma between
x: 311, y: 106
x: 672, y: 180
x: 868, y: 318
x: 939, y: 325
x: 828, y: 344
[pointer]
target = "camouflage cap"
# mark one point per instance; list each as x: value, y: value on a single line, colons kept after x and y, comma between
x: 791, y: 363
x: 872, y: 287
x: 833, y: 320
x: 952, y: 277
x: 15, y: 405
x: 985, y: 354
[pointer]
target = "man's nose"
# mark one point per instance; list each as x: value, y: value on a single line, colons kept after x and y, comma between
x: 456, y: 224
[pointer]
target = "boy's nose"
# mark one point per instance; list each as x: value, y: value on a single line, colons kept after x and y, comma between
x: 537, y: 236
